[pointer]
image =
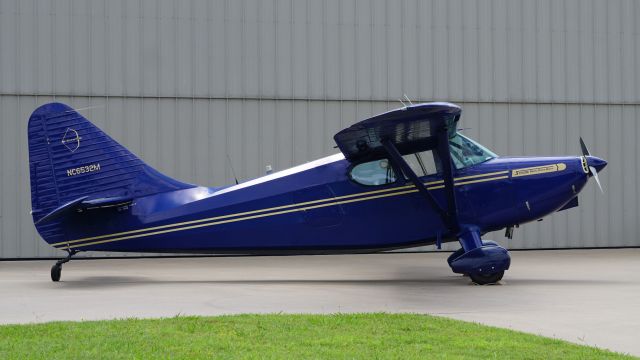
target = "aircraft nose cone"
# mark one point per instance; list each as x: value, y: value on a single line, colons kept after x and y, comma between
x: 596, y: 162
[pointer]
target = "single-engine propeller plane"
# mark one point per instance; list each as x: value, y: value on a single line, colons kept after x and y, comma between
x: 404, y: 178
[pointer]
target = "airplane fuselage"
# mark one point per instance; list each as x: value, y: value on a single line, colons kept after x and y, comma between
x: 318, y: 208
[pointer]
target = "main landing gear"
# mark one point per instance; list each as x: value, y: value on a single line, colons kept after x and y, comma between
x: 56, y: 269
x: 484, y: 261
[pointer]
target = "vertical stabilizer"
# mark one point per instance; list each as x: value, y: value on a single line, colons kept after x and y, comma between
x: 70, y: 158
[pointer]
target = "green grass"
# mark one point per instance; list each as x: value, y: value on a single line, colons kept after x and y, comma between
x: 342, y: 336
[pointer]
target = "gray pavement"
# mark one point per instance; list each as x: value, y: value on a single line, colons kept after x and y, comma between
x: 584, y: 296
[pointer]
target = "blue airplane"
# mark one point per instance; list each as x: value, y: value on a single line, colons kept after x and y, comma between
x: 404, y: 178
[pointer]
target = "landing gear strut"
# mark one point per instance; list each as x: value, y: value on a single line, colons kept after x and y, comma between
x: 56, y: 269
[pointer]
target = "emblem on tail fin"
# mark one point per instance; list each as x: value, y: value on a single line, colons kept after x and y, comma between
x: 71, y: 139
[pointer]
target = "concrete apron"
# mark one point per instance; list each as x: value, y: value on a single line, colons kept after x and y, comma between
x: 584, y: 296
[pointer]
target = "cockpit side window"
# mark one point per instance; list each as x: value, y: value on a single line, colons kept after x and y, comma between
x: 373, y: 173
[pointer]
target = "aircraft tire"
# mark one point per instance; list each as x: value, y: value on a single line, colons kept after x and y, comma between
x: 56, y: 273
x: 486, y: 279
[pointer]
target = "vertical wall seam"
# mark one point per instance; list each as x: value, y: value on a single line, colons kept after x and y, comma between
x: 260, y: 84
x: 537, y: 71
x: 356, y: 28
x: 307, y: 49
x: 579, y: 35
x: 419, y: 45
x: 403, y: 64
x: 192, y: 145
x: 386, y: 41
x: 292, y: 88
x: 141, y: 50
x: 123, y: 53
x: 107, y: 53
x: 276, y: 148
x: 565, y: 63
x: 243, y: 48
x: 17, y: 52
x: 53, y: 48
x: 324, y: 73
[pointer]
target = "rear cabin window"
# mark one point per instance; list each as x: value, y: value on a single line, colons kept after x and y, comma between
x: 373, y: 173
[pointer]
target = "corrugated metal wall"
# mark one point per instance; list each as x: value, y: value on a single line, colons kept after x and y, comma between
x: 184, y: 83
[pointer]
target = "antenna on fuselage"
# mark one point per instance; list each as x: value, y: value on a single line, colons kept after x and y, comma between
x: 407, y: 98
x: 232, y: 171
x: 403, y: 104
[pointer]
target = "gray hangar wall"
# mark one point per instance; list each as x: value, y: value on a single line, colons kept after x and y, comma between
x: 187, y: 83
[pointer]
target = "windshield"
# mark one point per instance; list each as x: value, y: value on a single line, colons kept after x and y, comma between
x: 466, y: 152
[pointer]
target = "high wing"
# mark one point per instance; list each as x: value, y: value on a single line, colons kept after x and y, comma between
x: 403, y: 131
x: 412, y: 129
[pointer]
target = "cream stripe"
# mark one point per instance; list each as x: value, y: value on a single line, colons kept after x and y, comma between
x: 482, y: 180
x: 244, y: 218
x: 432, y: 183
x: 233, y: 215
x: 65, y: 244
x: 482, y: 175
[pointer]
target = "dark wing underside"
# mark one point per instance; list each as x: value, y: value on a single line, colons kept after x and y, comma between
x: 412, y: 129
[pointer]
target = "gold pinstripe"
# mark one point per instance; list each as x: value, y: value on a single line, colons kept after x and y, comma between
x: 269, y: 211
x: 482, y: 175
x: 482, y: 180
x: 244, y: 218
x: 236, y: 214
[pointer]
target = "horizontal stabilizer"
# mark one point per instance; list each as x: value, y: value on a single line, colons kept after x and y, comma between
x: 62, y: 210
x: 106, y: 202
x: 83, y: 204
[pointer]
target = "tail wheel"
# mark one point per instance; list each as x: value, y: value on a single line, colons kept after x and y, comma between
x: 485, y: 279
x: 56, y: 272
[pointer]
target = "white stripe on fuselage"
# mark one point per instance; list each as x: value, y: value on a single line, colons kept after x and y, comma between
x: 283, y: 173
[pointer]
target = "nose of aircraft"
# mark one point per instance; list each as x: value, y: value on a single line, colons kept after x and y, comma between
x: 596, y: 162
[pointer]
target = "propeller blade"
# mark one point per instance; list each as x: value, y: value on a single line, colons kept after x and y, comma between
x: 585, y: 151
x: 594, y: 172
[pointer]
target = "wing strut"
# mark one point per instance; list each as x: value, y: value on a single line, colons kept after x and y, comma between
x: 396, y: 158
x: 449, y: 216
x: 447, y: 171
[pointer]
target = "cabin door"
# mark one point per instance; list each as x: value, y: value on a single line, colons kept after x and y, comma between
x: 319, y: 213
